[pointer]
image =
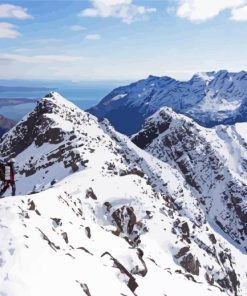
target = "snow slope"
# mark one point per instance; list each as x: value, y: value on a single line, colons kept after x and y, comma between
x: 209, y: 98
x: 212, y: 162
x: 99, y: 216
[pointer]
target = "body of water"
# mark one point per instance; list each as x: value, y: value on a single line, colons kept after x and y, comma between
x: 84, y: 97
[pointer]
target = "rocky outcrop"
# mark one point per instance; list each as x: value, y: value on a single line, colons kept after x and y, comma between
x: 190, y: 264
x: 204, y: 158
x: 126, y: 223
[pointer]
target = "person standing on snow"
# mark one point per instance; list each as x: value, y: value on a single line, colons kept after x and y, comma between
x: 9, y: 179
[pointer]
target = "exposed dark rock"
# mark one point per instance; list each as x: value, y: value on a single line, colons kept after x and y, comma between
x: 37, y: 212
x: 90, y: 194
x: 190, y: 264
x: 212, y: 238
x: 144, y: 138
x: 108, y: 206
x: 149, y: 214
x: 74, y: 167
x: 58, y: 221
x: 88, y: 232
x: 32, y: 206
x: 50, y: 243
x: 137, y: 269
x: 53, y: 182
x: 65, y: 237
x: 134, y: 171
x: 182, y: 252
x: 185, y: 229
x: 132, y: 284
x: 125, y: 215
x: 84, y: 249
x: 53, y: 136
x: 229, y: 282
x: 209, y: 279
x: 84, y: 288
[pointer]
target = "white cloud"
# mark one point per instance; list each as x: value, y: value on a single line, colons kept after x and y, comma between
x: 8, y: 31
x: 239, y: 14
x: 78, y: 28
x: 93, y: 37
x: 122, y: 9
x: 202, y: 10
x: 13, y: 11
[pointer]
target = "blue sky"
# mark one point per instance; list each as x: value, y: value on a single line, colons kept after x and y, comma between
x: 120, y: 39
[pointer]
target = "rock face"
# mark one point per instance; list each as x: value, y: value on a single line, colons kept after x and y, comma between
x: 209, y: 98
x: 105, y: 209
x: 213, y: 164
x: 5, y: 124
x: 190, y: 264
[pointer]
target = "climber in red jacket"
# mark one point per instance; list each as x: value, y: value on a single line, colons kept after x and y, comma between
x: 9, y: 179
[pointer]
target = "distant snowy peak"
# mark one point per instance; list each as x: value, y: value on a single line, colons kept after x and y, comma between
x: 210, y: 98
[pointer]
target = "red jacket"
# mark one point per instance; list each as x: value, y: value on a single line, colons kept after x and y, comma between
x: 9, y: 173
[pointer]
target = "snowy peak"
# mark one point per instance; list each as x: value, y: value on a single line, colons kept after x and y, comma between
x: 52, y: 117
x: 212, y: 162
x: 59, y: 100
x: 158, y: 123
x: 210, y: 98
x: 48, y: 141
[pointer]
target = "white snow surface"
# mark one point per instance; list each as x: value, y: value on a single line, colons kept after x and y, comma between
x: 52, y: 240
x: 29, y: 266
x: 118, y: 97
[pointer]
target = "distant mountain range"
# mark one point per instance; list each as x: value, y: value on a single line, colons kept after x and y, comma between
x: 209, y: 98
x: 21, y: 88
x: 5, y: 124
x: 17, y: 101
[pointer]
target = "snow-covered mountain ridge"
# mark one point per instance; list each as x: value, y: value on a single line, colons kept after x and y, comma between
x: 212, y: 161
x: 107, y: 217
x: 210, y: 98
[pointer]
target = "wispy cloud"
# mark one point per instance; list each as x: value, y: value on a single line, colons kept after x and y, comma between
x: 93, y: 37
x: 48, y: 41
x: 8, y: 31
x: 77, y: 28
x: 40, y: 58
x: 239, y: 14
x: 22, y: 49
x: 203, y: 10
x: 122, y: 9
x: 13, y: 11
